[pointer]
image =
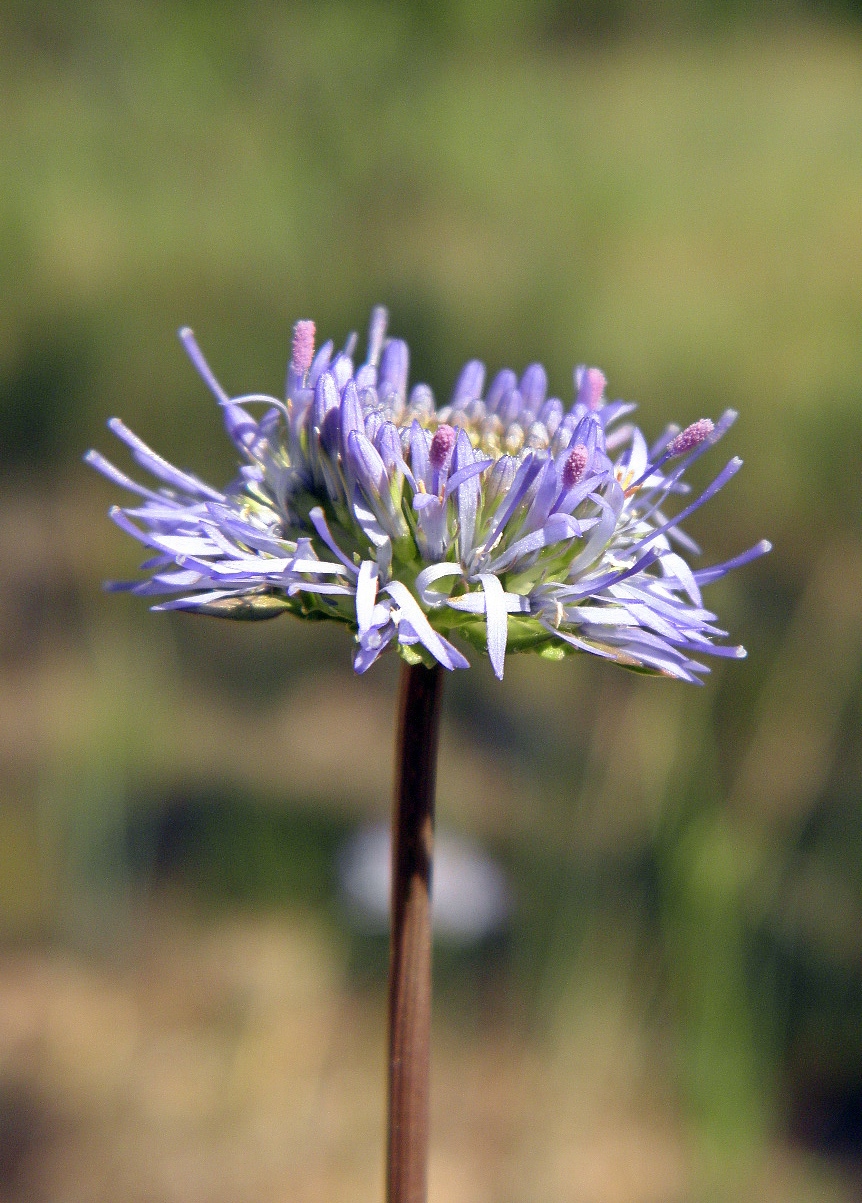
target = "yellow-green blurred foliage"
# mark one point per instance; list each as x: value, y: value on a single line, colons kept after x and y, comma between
x: 671, y: 191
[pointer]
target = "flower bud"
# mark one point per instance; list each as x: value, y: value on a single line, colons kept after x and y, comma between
x: 469, y: 384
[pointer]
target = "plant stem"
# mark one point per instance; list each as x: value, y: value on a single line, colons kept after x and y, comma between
x: 410, y: 940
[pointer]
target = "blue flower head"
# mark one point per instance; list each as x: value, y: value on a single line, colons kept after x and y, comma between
x: 503, y: 520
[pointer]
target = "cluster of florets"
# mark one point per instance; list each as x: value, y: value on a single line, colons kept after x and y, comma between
x: 502, y: 519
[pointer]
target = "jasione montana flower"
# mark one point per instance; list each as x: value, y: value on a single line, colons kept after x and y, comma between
x: 503, y: 519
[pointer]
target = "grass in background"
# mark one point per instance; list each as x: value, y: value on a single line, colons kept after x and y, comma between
x: 680, y: 207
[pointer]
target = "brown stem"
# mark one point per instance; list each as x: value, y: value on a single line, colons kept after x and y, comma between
x: 410, y: 942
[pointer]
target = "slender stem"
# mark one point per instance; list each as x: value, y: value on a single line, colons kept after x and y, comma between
x: 410, y: 946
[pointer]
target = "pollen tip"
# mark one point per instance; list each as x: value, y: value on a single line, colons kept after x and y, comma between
x: 302, y: 352
x: 575, y: 465
x: 591, y: 386
x: 377, y: 332
x: 441, y: 445
x: 379, y: 315
x: 691, y: 437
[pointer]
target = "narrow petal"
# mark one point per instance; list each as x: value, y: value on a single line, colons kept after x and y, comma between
x: 496, y: 620
x: 369, y: 652
x: 467, y: 494
x: 524, y: 477
x: 366, y: 465
x: 242, y: 429
x: 197, y: 600
x: 96, y: 460
x: 559, y: 528
x: 201, y: 366
x: 435, y: 572
x: 318, y: 521
x: 475, y: 603
x: 420, y: 444
x: 440, y: 648
x: 159, y: 467
x: 366, y: 594
x: 709, y: 492
x: 705, y: 576
x: 466, y: 473
x: 351, y: 416
x: 674, y: 565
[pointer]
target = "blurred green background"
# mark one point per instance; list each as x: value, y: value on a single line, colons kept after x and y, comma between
x: 672, y: 191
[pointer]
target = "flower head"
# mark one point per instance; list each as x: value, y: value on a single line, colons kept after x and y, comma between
x: 503, y: 519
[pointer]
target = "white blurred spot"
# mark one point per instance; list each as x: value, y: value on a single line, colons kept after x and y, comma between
x: 470, y: 895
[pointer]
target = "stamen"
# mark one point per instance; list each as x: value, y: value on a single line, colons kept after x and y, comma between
x: 302, y: 352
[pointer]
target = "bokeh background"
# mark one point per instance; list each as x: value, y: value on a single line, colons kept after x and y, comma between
x: 670, y: 1009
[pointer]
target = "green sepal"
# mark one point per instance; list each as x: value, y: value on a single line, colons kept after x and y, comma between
x: 555, y: 651
x: 414, y: 654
